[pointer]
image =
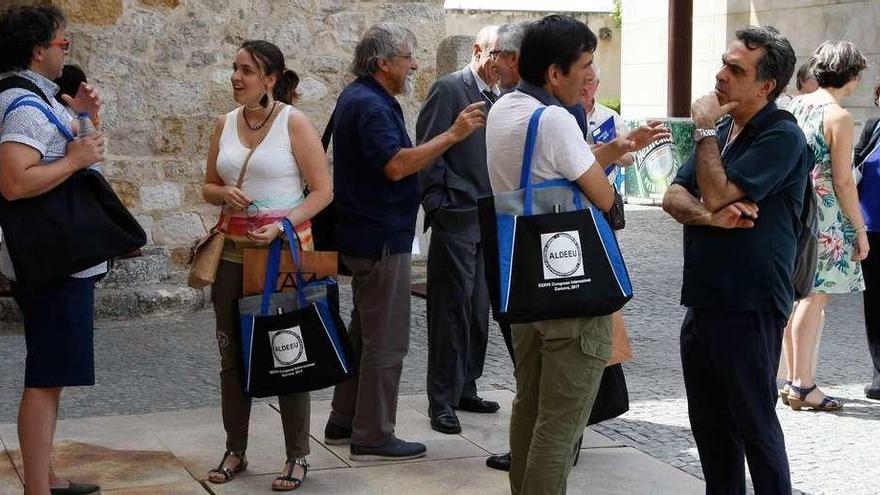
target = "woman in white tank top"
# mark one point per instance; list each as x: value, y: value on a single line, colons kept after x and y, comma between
x: 288, y: 154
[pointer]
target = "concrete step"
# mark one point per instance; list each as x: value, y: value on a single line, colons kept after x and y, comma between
x: 153, y: 266
x: 125, y: 303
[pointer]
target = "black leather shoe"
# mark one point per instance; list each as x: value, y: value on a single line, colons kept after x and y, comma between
x: 872, y: 390
x: 75, y: 489
x: 500, y: 462
x: 477, y: 405
x: 446, y: 422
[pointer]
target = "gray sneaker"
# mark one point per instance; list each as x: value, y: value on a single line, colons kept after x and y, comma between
x: 396, y: 450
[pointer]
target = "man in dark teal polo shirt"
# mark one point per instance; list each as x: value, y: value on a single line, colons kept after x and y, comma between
x: 377, y: 198
x: 739, y: 197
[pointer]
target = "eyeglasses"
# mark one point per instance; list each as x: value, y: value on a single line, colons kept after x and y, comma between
x: 494, y: 54
x: 63, y: 44
x: 407, y: 56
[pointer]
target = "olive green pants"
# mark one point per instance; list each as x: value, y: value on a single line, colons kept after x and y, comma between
x: 559, y: 365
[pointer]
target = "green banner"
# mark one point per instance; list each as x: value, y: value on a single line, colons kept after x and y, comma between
x: 655, y: 166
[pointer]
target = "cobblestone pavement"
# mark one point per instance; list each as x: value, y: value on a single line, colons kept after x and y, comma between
x: 171, y: 363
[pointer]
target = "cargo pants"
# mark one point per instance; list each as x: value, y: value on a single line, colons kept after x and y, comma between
x: 559, y: 364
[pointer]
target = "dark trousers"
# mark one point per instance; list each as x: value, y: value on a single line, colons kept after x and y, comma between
x: 458, y: 317
x: 235, y: 405
x: 729, y: 361
x: 379, y: 332
x: 871, y: 269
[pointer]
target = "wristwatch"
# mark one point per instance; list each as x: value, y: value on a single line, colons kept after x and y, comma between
x: 280, y: 227
x: 700, y: 134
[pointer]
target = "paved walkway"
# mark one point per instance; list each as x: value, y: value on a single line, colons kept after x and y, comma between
x: 171, y: 364
x: 170, y: 454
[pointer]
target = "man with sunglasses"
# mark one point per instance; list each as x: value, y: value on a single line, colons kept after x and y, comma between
x: 35, y: 157
x: 458, y: 298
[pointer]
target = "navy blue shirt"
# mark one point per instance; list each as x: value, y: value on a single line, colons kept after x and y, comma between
x: 750, y: 269
x: 374, y: 212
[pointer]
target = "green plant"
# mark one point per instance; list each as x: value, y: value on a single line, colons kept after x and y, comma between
x: 617, y: 14
x: 612, y: 103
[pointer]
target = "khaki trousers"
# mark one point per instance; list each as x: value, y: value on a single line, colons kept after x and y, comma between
x: 559, y: 365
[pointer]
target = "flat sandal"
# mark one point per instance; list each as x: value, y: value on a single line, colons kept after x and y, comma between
x: 288, y: 475
x: 227, y: 472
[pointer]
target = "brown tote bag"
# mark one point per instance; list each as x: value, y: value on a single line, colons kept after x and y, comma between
x: 620, y: 349
x: 205, y: 254
x: 314, y: 265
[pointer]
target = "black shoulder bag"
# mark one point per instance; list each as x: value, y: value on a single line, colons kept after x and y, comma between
x: 77, y: 225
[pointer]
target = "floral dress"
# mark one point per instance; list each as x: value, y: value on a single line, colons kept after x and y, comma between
x: 836, y: 272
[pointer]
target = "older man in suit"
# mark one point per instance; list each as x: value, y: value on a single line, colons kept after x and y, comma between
x: 458, y: 300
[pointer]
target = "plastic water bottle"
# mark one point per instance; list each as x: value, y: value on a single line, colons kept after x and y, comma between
x: 86, y: 128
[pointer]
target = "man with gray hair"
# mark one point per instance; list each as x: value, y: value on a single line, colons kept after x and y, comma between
x: 458, y: 297
x: 377, y: 198
x: 510, y: 38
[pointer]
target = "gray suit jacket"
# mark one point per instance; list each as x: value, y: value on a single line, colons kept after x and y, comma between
x: 452, y: 184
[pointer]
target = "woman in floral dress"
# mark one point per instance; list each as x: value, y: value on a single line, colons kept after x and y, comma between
x: 843, y: 240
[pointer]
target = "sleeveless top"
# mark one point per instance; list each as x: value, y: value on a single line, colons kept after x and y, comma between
x: 273, y: 181
x: 836, y: 273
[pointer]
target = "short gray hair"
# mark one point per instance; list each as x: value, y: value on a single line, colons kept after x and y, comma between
x: 382, y: 41
x: 596, y: 70
x: 485, y: 35
x: 510, y: 36
x: 836, y: 63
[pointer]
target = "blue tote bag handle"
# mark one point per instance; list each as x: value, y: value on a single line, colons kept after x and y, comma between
x: 525, y: 177
x: 28, y: 101
x: 273, y: 266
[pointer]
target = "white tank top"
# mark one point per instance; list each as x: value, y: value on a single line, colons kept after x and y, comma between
x: 273, y: 179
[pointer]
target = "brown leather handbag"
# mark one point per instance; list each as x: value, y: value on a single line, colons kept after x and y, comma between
x: 204, y: 257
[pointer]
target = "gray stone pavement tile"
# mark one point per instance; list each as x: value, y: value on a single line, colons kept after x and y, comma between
x: 491, y: 432
x: 412, y: 425
x: 10, y: 483
x: 197, y: 439
x: 625, y: 470
x: 183, y: 488
x: 114, y: 452
x: 455, y: 477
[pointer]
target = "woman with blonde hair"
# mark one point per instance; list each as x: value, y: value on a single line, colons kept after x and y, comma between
x: 285, y: 154
x: 842, y: 239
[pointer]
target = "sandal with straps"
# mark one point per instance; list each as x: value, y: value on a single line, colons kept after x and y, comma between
x: 797, y: 399
x: 288, y: 475
x: 783, y: 393
x: 227, y: 472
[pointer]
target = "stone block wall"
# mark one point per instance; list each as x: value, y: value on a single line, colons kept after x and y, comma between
x: 163, y: 69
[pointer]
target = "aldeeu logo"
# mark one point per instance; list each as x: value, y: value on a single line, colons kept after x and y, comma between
x: 561, y: 255
x: 287, y: 347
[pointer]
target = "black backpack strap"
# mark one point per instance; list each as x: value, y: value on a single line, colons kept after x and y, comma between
x: 18, y: 82
x: 328, y: 131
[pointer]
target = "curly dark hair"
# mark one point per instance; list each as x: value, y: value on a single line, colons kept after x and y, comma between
x: 24, y: 28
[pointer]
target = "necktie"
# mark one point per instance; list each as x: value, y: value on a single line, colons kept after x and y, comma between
x: 490, y: 96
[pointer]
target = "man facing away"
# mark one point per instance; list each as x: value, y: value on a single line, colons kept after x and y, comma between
x: 458, y: 298
x: 377, y: 196
x: 739, y: 198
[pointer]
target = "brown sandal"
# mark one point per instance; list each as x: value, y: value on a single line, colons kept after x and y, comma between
x: 227, y: 472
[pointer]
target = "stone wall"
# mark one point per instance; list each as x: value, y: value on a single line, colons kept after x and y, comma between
x: 163, y: 69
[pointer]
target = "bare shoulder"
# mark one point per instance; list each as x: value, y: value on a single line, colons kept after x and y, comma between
x: 836, y: 116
